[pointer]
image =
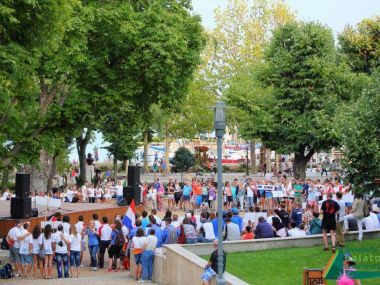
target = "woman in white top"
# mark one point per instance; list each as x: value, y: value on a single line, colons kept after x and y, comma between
x: 108, y: 194
x: 152, y: 196
x: 75, y: 249
x: 37, y: 243
x: 99, y: 194
x: 149, y: 249
x: 137, y: 244
x: 49, y: 247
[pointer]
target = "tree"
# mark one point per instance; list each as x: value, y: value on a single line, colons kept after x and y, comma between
x: 183, y: 159
x: 361, y: 45
x: 121, y: 131
x: 243, y: 31
x: 307, y: 83
x: 358, y: 125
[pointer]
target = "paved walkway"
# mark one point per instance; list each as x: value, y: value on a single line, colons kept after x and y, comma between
x: 100, y: 277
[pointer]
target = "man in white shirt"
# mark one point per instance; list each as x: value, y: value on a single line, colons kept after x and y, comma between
x: 340, y: 223
x: 14, y: 245
x: 26, y: 246
x: 97, y: 224
x: 297, y: 232
x: 119, y: 191
x: 105, y: 239
x: 158, y: 220
x: 371, y: 222
x: 62, y: 242
x: 250, y: 195
x: 91, y: 193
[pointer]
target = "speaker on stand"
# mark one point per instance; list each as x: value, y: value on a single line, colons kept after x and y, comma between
x: 21, y: 205
x: 133, y: 190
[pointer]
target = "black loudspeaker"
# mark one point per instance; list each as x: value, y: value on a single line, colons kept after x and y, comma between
x: 134, y: 176
x: 22, y: 185
x: 21, y: 208
x: 34, y: 212
x: 128, y: 194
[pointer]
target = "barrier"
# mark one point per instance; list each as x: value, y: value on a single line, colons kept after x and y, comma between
x: 273, y: 243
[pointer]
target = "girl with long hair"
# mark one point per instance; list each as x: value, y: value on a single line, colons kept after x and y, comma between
x: 37, y: 243
x: 49, y: 247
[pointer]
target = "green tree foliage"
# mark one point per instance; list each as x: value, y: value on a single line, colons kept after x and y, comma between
x: 36, y: 54
x: 183, y: 159
x: 308, y: 84
x: 361, y: 45
x: 358, y: 125
x: 242, y: 30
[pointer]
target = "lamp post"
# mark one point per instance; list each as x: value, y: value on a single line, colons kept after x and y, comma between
x: 247, y: 168
x: 220, y: 128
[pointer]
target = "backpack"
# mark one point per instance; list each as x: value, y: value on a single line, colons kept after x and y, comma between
x: 182, y: 237
x: 4, y: 244
x: 6, y: 271
x: 120, y: 239
x: 172, y: 235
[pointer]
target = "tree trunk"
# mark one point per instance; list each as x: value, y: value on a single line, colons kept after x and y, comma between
x: 300, y: 163
x: 277, y: 162
x: 253, y: 157
x: 262, y: 158
x: 167, y: 150
x: 40, y: 173
x: 4, y: 179
x: 52, y: 172
x: 268, y: 160
x: 146, y: 144
x: 115, y: 169
x: 82, y: 142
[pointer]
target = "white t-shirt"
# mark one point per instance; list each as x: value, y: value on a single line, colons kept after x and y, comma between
x: 91, y: 192
x: 342, y: 209
x: 37, y: 245
x: 119, y: 190
x: 158, y: 220
x: 138, y: 242
x: 66, y: 228
x: 249, y: 191
x: 125, y: 231
x: 24, y: 244
x: 79, y: 226
x: 99, y: 192
x: 97, y: 225
x: 70, y: 195
x: 57, y: 238
x: 151, y: 242
x: 209, y: 230
x: 371, y: 222
x: 14, y: 233
x: 47, y: 244
x: 296, y: 233
x: 84, y: 191
x: 268, y: 176
x: 75, y: 242
x: 106, y: 232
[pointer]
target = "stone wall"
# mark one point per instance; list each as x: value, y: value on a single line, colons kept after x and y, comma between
x: 272, y: 243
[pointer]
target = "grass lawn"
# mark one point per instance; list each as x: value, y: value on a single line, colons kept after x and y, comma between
x: 285, y: 266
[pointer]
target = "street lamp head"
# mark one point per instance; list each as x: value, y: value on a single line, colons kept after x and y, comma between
x: 220, y: 118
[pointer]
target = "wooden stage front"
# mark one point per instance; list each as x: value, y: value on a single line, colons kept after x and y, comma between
x: 72, y: 210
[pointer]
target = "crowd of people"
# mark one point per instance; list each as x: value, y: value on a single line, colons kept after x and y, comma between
x: 267, y: 210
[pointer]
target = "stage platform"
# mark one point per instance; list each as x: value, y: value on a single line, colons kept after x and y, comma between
x: 73, y: 210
